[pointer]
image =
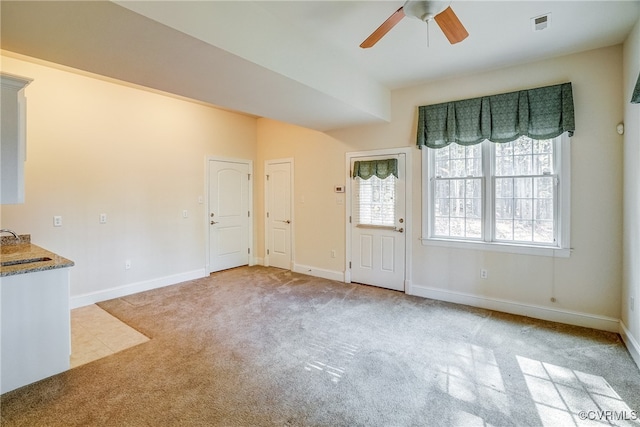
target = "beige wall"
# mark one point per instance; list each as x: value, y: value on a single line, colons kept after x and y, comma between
x: 99, y: 147
x: 588, y: 282
x: 631, y: 279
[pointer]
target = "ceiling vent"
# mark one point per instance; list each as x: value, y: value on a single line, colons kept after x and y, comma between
x: 542, y: 22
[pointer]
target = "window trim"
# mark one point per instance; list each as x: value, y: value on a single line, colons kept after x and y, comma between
x: 563, y: 212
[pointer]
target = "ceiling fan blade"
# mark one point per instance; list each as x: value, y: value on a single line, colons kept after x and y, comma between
x: 383, y: 29
x: 451, y: 26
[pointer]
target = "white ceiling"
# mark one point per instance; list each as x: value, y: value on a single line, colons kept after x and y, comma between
x: 299, y: 61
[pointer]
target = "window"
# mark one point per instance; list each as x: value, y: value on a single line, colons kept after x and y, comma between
x: 524, y: 189
x: 458, y: 192
x: 376, y: 201
x: 507, y: 196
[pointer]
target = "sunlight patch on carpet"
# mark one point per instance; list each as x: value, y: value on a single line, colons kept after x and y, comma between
x: 470, y: 373
x: 329, y: 357
x: 568, y: 397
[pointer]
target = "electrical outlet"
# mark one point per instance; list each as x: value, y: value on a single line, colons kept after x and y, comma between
x: 103, y: 218
x: 127, y: 264
x: 57, y: 221
x: 484, y: 273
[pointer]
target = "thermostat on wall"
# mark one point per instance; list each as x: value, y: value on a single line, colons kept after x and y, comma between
x: 339, y: 189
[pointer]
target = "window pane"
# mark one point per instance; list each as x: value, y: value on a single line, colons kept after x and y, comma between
x: 443, y: 168
x: 474, y: 228
x: 474, y: 208
x: 473, y: 188
x: 544, y: 209
x: 376, y: 201
x: 442, y: 207
x: 542, y: 164
x: 522, y: 187
x: 442, y: 188
x: 543, y: 232
x: 542, y: 146
x: 442, y: 154
x: 504, y: 230
x: 504, y: 166
x: 522, y: 145
x: 504, y: 208
x: 457, y: 227
x: 523, y: 209
x: 441, y: 226
x: 458, y: 206
x: 523, y: 231
x: 543, y: 187
x: 504, y: 187
x: 457, y: 151
x: 522, y: 165
x: 458, y: 161
x: 474, y: 166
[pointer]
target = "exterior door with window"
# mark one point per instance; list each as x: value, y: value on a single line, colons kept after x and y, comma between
x: 378, y: 221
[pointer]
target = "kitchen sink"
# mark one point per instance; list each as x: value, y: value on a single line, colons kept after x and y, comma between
x: 24, y: 261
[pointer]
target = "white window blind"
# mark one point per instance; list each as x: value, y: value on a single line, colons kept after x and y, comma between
x: 375, y: 201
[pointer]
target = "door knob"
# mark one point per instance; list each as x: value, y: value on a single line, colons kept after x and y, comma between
x: 399, y: 230
x: 213, y: 222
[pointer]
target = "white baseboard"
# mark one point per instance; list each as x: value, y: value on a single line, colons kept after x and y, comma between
x: 631, y: 343
x: 538, y: 312
x: 133, y: 288
x: 319, y: 272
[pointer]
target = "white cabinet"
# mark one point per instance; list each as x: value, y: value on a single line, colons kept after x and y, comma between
x: 13, y: 138
x: 36, y: 331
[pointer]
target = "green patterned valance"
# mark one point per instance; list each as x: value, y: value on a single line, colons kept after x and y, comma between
x: 540, y: 113
x: 380, y: 168
x: 635, y: 98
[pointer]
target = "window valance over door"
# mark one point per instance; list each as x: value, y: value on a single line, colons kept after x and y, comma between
x: 380, y: 168
x: 635, y: 97
x: 539, y: 113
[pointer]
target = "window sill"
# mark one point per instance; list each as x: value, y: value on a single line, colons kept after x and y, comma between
x: 549, y: 251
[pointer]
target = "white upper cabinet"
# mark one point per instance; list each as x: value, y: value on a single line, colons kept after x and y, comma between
x: 13, y: 138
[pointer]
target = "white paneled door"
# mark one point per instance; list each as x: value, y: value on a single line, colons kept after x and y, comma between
x: 378, y: 227
x: 229, y: 214
x: 279, y: 219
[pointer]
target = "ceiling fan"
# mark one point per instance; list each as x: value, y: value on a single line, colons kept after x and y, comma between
x: 425, y: 10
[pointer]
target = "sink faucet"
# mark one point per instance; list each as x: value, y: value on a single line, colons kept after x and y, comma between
x: 6, y: 230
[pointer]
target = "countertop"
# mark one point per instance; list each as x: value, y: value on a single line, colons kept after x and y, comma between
x: 26, y: 257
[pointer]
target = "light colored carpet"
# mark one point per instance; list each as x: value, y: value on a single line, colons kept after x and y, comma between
x: 261, y: 346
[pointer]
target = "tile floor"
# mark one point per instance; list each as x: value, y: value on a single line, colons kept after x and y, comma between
x: 96, y: 334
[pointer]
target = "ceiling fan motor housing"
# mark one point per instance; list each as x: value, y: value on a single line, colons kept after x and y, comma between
x: 424, y: 10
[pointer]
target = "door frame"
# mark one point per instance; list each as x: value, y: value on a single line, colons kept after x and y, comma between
x: 408, y: 208
x: 206, y: 210
x: 291, y: 207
